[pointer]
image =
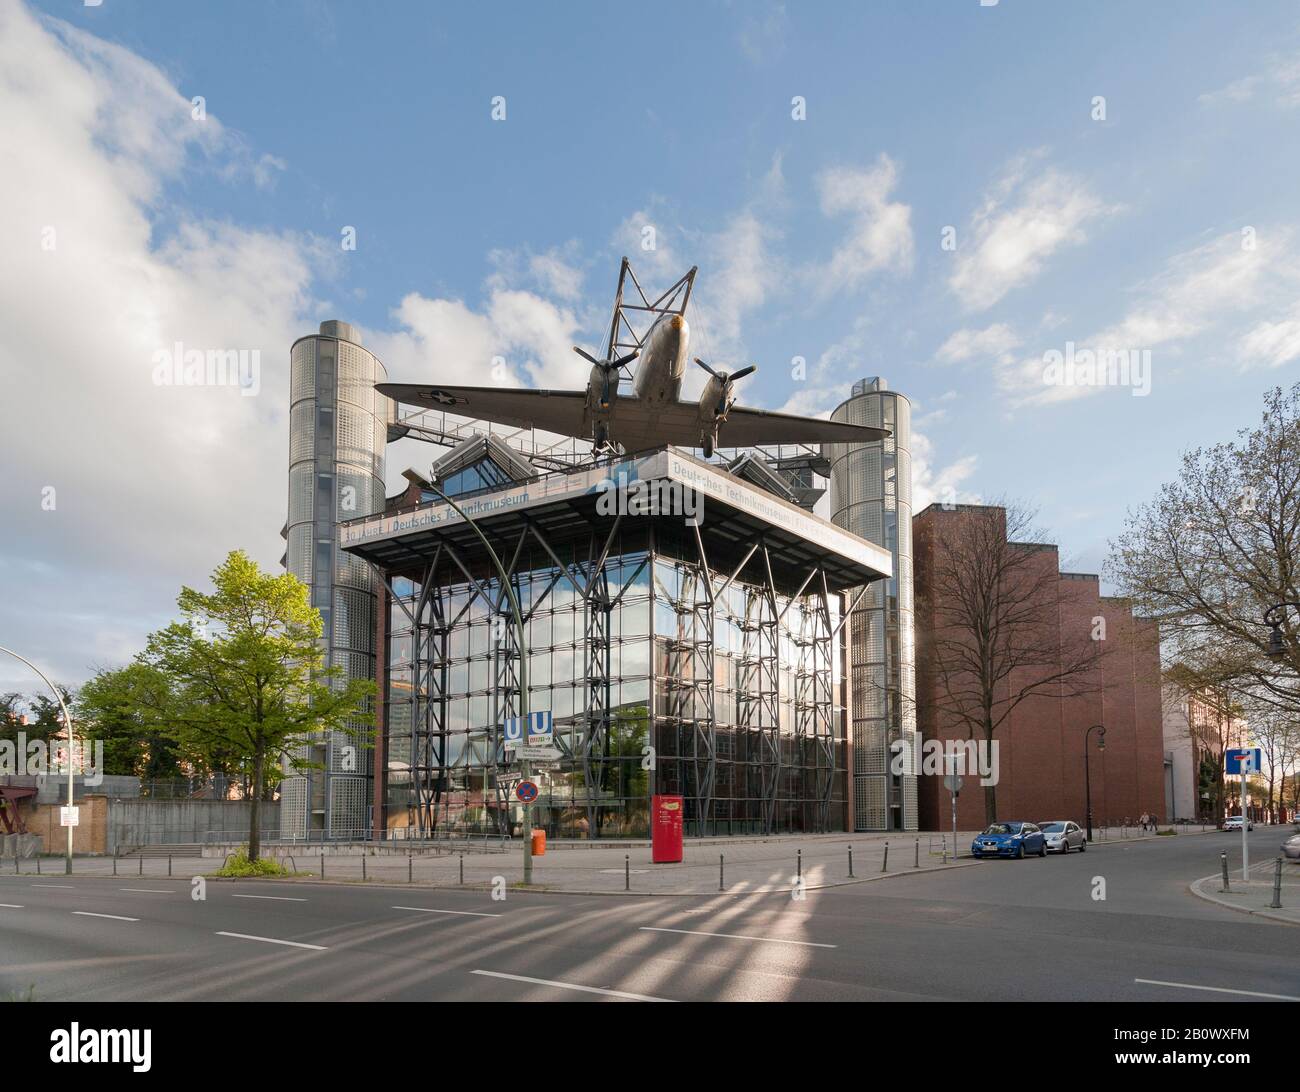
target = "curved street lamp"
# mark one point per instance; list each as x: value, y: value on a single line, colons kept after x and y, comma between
x: 525, y: 766
x: 1273, y: 618
x: 1087, y: 769
x: 67, y: 719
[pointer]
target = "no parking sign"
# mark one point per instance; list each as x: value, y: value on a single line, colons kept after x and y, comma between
x: 526, y: 791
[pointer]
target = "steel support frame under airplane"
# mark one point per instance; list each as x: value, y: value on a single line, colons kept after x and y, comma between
x: 683, y: 697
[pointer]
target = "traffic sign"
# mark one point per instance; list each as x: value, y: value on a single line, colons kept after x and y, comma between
x: 526, y: 791
x: 538, y: 728
x: 952, y: 783
x: 69, y: 817
x: 1243, y: 760
x: 538, y: 753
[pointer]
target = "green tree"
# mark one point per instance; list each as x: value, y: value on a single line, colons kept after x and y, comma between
x: 127, y: 709
x: 248, y: 676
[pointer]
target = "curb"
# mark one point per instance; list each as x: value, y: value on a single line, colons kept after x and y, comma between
x: 1195, y: 888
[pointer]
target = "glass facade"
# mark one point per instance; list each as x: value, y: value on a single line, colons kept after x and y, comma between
x: 663, y: 676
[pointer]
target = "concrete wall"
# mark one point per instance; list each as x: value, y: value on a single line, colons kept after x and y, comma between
x: 160, y: 822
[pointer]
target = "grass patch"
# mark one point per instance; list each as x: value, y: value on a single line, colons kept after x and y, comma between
x: 1166, y: 833
x: 238, y: 866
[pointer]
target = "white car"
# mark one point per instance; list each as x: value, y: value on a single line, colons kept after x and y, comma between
x: 1233, y: 822
x: 1063, y: 835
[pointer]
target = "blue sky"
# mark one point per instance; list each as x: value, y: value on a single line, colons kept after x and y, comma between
x: 1170, y: 226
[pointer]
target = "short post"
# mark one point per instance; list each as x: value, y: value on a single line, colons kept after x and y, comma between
x: 1276, y: 904
x: 884, y: 865
x: 363, y: 866
x: 721, y: 874
x: 114, y: 863
x: 38, y: 864
x: 322, y: 866
x: 16, y: 862
x: 408, y: 868
x: 850, y: 862
x: 798, y: 863
x: 141, y: 872
x: 1223, y: 861
x: 916, y: 860
x: 462, y: 869
x: 627, y: 872
x: 169, y: 864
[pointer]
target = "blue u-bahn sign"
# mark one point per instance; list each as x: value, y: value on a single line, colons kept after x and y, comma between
x: 537, y: 729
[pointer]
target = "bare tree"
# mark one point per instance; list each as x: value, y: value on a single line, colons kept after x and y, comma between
x: 1221, y: 545
x: 997, y: 637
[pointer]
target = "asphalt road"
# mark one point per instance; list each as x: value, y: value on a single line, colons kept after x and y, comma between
x: 993, y: 931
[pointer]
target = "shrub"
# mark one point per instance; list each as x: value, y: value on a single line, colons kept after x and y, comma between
x: 238, y: 865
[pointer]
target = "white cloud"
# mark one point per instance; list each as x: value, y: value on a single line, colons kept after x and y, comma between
x: 152, y: 483
x: 878, y: 237
x: 1278, y: 82
x: 1197, y: 291
x: 965, y: 344
x: 1272, y: 344
x: 1029, y: 215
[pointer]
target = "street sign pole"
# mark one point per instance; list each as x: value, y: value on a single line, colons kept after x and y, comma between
x: 1245, y: 845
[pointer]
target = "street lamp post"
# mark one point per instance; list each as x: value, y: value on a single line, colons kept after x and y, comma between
x: 525, y: 766
x: 1273, y: 619
x: 67, y: 719
x: 1087, y: 769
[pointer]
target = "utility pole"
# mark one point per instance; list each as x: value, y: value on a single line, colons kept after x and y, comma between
x: 67, y: 720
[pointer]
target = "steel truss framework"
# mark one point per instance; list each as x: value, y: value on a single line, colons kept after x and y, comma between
x: 683, y: 696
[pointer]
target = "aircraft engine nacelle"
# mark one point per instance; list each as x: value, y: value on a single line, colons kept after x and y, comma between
x: 715, y: 400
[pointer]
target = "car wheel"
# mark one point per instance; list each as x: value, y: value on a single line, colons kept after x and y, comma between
x: 1083, y: 846
x: 1020, y: 852
x: 1042, y: 848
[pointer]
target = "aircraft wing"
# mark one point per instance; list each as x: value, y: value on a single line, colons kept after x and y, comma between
x: 746, y: 427
x: 551, y: 411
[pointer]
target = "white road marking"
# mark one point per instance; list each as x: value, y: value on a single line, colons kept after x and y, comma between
x: 114, y: 917
x: 737, y: 936
x: 148, y: 890
x: 272, y: 940
x: 1216, y: 989
x: 10, y: 906
x: 277, y: 898
x: 572, y: 986
x: 60, y: 886
x: 459, y: 913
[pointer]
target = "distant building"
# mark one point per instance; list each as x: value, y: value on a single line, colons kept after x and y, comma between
x: 1041, y: 744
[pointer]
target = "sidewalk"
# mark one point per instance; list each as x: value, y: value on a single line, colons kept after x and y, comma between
x: 748, y: 865
x: 1254, y: 897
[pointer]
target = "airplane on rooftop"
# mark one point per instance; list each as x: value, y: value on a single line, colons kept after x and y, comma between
x: 653, y: 413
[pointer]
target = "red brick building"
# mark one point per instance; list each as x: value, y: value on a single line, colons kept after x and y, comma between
x: 1041, y: 743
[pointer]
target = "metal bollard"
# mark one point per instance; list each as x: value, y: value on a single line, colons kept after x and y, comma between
x: 722, y: 886
x: 322, y: 866
x: 38, y: 864
x: 169, y: 864
x: 798, y: 864
x: 16, y: 872
x: 141, y: 863
x: 627, y: 872
x: 850, y: 862
x: 884, y: 865
x: 408, y: 868
x: 916, y: 860
x: 462, y: 869
x: 114, y: 863
x: 1276, y: 904
x: 363, y: 867
x: 1223, y: 860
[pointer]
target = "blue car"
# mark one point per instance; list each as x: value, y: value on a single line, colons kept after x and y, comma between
x: 1009, y: 840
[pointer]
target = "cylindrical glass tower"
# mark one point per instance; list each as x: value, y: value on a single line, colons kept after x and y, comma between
x: 338, y: 430
x: 871, y: 495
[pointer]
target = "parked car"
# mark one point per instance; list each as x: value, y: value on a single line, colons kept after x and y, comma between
x: 1291, y: 847
x: 1063, y: 835
x: 1011, y: 839
x: 1233, y: 822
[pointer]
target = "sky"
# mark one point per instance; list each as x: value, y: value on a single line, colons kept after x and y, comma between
x: 966, y: 198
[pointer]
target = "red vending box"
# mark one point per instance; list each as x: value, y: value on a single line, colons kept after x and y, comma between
x: 666, y: 828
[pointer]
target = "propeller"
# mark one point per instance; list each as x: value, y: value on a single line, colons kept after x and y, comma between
x: 726, y: 380
x: 607, y: 368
